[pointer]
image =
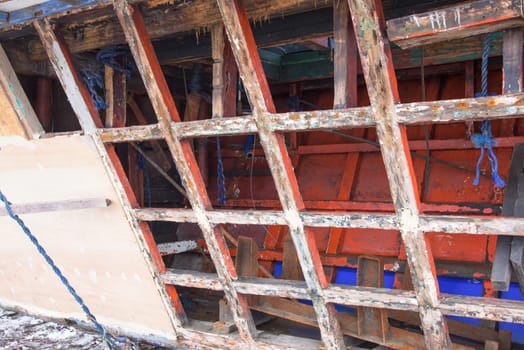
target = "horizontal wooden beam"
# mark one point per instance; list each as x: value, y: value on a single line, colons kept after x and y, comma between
x: 339, y: 294
x: 445, y: 111
x: 452, y: 305
x: 428, y: 223
x: 65, y: 205
x: 464, y: 20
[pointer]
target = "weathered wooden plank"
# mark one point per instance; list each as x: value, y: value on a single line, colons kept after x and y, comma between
x: 340, y: 294
x: 140, y: 45
x: 131, y: 133
x: 217, y: 54
x: 176, y: 247
x: 463, y: 20
x: 379, y: 73
x: 453, y: 305
x: 458, y: 110
x: 250, y: 68
x: 428, y: 223
x: 89, y: 120
x: 45, y: 207
x: 486, y: 308
x: 18, y: 116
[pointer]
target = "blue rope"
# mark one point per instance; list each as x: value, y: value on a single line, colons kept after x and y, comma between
x: 195, y: 82
x: 107, y: 57
x: 94, y: 80
x: 93, y: 74
x: 107, y: 337
x: 485, y: 139
x: 221, y: 179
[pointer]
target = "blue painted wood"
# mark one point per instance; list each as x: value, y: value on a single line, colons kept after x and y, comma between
x: 4, y: 16
x: 52, y: 7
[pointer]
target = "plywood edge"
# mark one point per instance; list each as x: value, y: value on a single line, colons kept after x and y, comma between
x: 18, y: 116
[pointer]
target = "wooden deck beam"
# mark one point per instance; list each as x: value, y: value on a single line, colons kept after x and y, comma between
x: 381, y: 82
x: 89, y: 120
x: 460, y: 21
x: 182, y: 153
x: 250, y: 68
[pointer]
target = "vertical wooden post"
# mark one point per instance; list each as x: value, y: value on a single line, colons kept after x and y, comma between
x: 89, y: 120
x: 162, y: 101
x: 469, y: 91
x: 379, y: 73
x: 511, y: 71
x: 255, y: 82
x: 345, y: 59
x: 116, y: 95
x: 44, y: 102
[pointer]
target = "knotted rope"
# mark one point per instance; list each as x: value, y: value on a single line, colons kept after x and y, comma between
x: 485, y: 140
x: 93, y: 73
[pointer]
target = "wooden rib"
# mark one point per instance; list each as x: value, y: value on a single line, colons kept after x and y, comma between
x: 256, y: 86
x: 89, y: 120
x: 140, y: 45
x: 379, y: 73
x: 13, y: 94
x: 445, y: 111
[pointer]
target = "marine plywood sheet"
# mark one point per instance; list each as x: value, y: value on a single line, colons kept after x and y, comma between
x: 95, y: 248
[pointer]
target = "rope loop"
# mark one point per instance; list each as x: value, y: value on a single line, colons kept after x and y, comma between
x: 485, y: 140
